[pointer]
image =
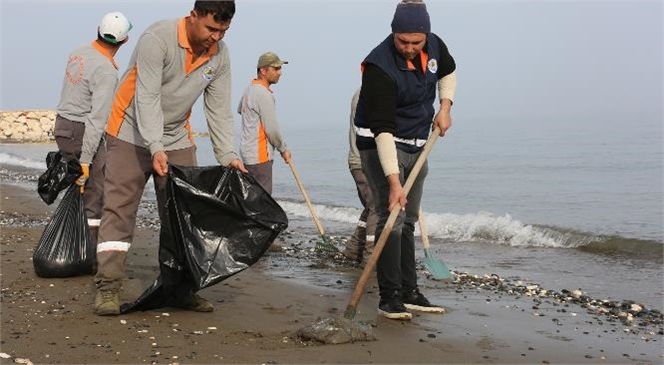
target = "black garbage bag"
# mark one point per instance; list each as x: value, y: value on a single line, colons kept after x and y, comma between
x: 64, y: 248
x: 60, y: 174
x: 220, y: 222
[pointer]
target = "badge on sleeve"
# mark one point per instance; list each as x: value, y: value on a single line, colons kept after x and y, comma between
x: 207, y: 73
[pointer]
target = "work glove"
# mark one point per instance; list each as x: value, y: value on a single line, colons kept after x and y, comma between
x: 85, y: 169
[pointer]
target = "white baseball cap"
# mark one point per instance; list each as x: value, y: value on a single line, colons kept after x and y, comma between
x: 114, y: 27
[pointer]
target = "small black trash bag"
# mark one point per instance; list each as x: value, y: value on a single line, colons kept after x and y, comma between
x: 64, y: 248
x: 60, y: 173
x: 220, y: 222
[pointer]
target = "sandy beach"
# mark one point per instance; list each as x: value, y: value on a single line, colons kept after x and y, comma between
x: 259, y: 311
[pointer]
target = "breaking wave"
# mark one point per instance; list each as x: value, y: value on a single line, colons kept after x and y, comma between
x: 498, y: 229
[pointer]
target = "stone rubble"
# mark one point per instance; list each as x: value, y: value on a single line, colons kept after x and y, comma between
x: 27, y: 125
x: 35, y: 126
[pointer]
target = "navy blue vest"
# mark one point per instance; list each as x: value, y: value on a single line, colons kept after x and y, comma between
x: 416, y: 92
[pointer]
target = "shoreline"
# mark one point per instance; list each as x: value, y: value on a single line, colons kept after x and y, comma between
x: 259, y: 311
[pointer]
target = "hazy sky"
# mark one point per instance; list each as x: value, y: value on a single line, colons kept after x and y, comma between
x: 547, y: 60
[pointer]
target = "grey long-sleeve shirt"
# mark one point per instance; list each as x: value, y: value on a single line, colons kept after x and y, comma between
x: 87, y: 92
x: 260, y: 130
x: 354, y: 161
x: 153, y: 103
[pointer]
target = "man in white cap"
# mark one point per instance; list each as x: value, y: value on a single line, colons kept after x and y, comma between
x: 394, y: 117
x: 260, y: 130
x: 89, y: 84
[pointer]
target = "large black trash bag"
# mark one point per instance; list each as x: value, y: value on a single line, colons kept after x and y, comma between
x: 60, y: 174
x: 220, y: 222
x: 64, y: 248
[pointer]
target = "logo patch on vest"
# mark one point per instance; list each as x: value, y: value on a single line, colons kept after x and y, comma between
x: 432, y: 65
x: 207, y: 73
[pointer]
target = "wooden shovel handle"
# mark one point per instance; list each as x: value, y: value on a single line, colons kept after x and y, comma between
x: 423, y: 231
x: 373, y: 259
x: 306, y: 199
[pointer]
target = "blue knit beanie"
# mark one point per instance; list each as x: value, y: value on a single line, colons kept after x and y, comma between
x: 411, y: 16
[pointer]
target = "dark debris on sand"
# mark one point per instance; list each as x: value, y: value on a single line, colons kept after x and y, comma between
x: 292, y: 247
x: 628, y: 312
x: 636, y: 318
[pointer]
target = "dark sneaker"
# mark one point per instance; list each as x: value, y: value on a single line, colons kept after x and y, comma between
x: 107, y: 303
x: 414, y: 300
x: 393, y: 308
x: 196, y: 304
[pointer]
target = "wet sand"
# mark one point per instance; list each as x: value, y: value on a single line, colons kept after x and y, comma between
x: 259, y: 311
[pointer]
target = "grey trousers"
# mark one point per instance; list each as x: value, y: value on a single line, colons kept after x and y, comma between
x: 128, y: 169
x: 363, y: 239
x: 262, y: 172
x: 396, y: 266
x: 69, y: 138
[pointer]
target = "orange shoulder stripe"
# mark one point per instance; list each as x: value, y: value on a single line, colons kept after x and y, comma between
x: 190, y: 132
x: 123, y: 98
x: 262, y: 144
x: 104, y: 52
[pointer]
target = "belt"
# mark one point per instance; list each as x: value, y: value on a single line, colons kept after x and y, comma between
x: 366, y: 132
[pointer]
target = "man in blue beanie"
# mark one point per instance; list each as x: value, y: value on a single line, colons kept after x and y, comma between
x: 394, y: 117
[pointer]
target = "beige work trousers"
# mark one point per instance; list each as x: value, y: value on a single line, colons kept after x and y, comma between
x: 128, y: 169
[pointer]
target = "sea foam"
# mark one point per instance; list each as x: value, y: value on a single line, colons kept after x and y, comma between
x: 10, y: 159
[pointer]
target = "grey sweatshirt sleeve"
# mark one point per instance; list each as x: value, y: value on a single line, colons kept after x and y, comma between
x: 354, y: 161
x: 268, y: 113
x: 103, y: 88
x: 217, y: 106
x: 150, y: 54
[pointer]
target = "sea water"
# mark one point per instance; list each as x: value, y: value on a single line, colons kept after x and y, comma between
x: 567, y: 204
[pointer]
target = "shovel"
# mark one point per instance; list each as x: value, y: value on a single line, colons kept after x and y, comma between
x: 351, y: 309
x: 326, y: 245
x: 436, y: 267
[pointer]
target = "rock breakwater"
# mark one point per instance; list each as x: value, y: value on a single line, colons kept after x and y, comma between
x: 27, y: 125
